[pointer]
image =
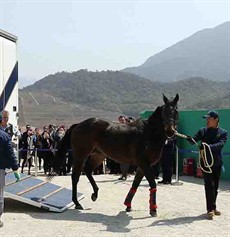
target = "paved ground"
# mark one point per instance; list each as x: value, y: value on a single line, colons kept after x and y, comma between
x: 181, y: 212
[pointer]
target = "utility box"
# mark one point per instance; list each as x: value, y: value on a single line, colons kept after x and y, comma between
x: 188, y: 166
x: 199, y: 172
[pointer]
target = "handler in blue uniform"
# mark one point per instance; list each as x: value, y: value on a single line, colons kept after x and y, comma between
x: 7, y: 160
x: 216, y: 138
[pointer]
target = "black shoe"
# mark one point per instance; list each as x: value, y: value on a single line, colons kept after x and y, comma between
x: 167, y: 182
x: 210, y: 215
x: 1, y: 224
x: 217, y: 213
x: 163, y: 182
x: 122, y: 178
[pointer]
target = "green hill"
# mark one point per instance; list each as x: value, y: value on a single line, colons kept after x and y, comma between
x: 71, y: 97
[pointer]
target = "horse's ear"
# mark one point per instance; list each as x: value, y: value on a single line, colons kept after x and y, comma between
x: 165, y: 99
x: 176, y: 99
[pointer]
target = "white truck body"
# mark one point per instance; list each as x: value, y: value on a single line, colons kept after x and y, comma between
x: 9, y: 76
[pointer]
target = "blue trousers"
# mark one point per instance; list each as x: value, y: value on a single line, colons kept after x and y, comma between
x: 2, y: 187
x: 211, y: 184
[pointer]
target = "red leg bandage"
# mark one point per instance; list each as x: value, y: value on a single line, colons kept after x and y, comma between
x: 129, y: 197
x: 152, y: 199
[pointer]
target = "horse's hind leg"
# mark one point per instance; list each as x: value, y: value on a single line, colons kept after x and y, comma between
x: 88, y: 169
x: 136, y: 182
x: 75, y: 178
x: 79, y: 159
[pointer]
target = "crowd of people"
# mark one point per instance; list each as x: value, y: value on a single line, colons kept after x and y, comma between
x: 46, y: 141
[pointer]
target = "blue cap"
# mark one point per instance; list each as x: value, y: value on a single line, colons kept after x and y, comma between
x: 212, y: 114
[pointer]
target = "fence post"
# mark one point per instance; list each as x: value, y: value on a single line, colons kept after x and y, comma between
x: 36, y: 161
x: 177, y: 164
x: 104, y: 165
x: 177, y: 168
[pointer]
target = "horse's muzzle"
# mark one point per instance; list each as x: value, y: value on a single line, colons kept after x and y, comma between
x: 170, y: 130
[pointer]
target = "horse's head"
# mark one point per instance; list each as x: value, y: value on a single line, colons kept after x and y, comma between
x: 169, y: 115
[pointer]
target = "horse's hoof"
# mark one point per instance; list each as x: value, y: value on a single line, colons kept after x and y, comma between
x: 128, y: 209
x: 153, y: 213
x: 94, y: 197
x: 78, y: 207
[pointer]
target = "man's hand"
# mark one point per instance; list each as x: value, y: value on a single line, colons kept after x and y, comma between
x: 191, y: 140
x: 201, y: 147
x: 17, y: 175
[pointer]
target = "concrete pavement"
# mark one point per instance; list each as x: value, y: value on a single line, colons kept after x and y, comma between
x: 181, y: 212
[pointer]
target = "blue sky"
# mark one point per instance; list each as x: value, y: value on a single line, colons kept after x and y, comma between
x: 100, y: 35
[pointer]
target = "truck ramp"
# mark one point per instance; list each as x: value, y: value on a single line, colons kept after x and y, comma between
x: 39, y: 193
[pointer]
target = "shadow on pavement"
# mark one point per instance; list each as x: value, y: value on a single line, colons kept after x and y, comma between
x: 179, y: 220
x: 116, y: 224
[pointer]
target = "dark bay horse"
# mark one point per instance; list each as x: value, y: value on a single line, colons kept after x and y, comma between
x: 138, y: 143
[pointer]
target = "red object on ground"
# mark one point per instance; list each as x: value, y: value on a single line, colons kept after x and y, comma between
x: 199, y: 172
x: 188, y: 166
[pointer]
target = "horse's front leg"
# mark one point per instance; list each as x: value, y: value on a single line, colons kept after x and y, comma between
x: 152, y: 197
x: 75, y: 178
x: 136, y: 182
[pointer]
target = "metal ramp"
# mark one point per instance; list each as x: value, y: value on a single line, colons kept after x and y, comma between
x: 39, y: 193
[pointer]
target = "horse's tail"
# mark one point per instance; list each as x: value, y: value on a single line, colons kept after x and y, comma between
x: 60, y: 154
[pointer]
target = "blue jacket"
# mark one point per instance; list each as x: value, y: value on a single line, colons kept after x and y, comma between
x: 215, y: 138
x: 7, y: 156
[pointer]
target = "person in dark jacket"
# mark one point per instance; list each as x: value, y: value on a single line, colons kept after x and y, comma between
x: 37, y: 143
x: 215, y: 137
x: 48, y: 155
x: 167, y: 160
x: 7, y: 160
x: 124, y: 168
x: 28, y: 147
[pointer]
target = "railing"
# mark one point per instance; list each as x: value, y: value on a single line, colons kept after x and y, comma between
x: 182, y: 151
x: 35, y: 150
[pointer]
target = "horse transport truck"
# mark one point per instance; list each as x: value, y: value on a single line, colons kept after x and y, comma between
x: 9, y: 75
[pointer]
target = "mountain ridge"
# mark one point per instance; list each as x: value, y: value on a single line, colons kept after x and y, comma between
x: 203, y: 54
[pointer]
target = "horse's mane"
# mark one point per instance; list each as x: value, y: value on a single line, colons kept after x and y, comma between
x: 156, y: 116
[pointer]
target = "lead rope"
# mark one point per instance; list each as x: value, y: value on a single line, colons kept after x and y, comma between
x: 202, y: 154
x: 203, y: 157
